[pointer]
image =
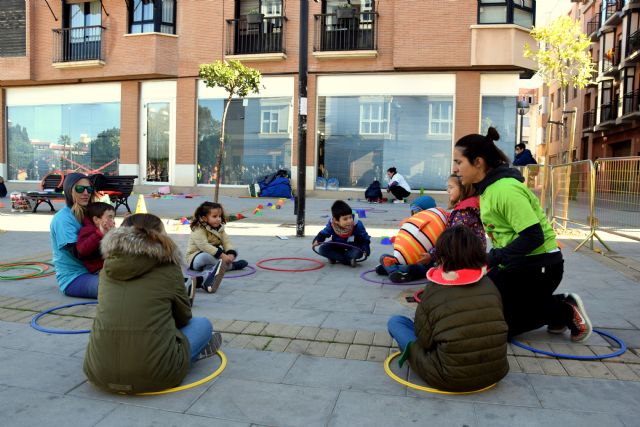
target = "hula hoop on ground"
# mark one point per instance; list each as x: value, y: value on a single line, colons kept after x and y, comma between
x: 223, y: 364
x: 251, y: 271
x: 416, y: 296
x: 318, y: 266
x: 37, y: 327
x: 620, y: 351
x: 397, y: 379
x: 42, y: 269
x: 370, y: 210
x: 361, y: 258
x: 389, y: 282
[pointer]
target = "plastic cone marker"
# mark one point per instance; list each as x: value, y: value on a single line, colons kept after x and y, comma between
x: 141, y: 207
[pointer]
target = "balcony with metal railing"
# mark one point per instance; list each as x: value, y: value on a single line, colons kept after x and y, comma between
x: 608, y: 114
x: 593, y: 26
x: 256, y: 37
x: 610, y: 61
x: 633, y: 48
x: 631, y: 106
x: 588, y: 120
x: 338, y: 35
x: 612, y: 13
x: 78, y: 47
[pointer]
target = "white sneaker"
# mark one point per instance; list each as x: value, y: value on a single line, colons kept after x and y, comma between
x: 398, y: 201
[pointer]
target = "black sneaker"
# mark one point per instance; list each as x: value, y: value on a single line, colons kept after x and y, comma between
x: 238, y: 265
x: 380, y: 270
x: 332, y: 261
x: 560, y: 328
x: 581, y: 325
x: 353, y: 262
x: 191, y: 289
x: 399, y: 277
x: 214, y: 278
x: 212, y: 346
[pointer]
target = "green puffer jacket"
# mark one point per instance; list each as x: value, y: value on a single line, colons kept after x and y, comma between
x: 462, y: 336
x: 135, y: 345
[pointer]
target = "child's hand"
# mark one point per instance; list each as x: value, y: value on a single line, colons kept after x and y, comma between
x: 315, y: 244
x: 226, y: 258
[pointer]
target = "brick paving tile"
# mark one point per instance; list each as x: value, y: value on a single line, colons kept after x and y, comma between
x: 258, y: 343
x: 635, y: 369
x: 337, y: 351
x: 19, y: 315
x: 513, y: 364
x: 240, y: 341
x: 517, y: 351
x: 541, y: 346
x: 363, y: 337
x: 221, y: 325
x: 575, y: 368
x: 297, y: 346
x: 575, y: 349
x: 345, y: 336
x: 530, y: 365
x: 272, y: 329
x: 326, y: 334
x: 377, y: 354
x: 20, y: 303
x: 622, y: 372
x: 237, y: 327
x: 255, y: 328
x: 11, y: 302
x: 227, y: 337
x: 382, y: 339
x: 278, y: 344
x: 308, y: 333
x: 626, y: 357
x: 553, y: 367
x: 357, y: 352
x: 289, y: 331
x: 317, y: 348
x: 598, y: 369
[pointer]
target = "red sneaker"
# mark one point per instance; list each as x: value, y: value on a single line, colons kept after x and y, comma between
x: 581, y: 326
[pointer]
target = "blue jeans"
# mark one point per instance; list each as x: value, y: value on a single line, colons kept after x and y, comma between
x: 340, y: 253
x: 83, y: 286
x: 402, y: 330
x: 415, y: 271
x: 198, y: 331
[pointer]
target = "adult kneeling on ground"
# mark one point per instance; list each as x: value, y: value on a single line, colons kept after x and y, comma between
x: 72, y: 276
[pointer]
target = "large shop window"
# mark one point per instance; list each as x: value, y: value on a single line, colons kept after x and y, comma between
x: 360, y: 137
x: 67, y: 137
x: 500, y: 112
x: 148, y: 16
x: 257, y: 139
x: 519, y: 12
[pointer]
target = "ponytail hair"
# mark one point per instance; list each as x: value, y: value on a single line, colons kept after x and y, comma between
x: 484, y: 147
x: 152, y: 228
x: 202, y: 211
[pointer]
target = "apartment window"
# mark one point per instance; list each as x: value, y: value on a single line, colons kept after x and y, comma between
x: 440, y: 118
x: 273, y: 122
x: 374, y: 118
x: 519, y: 12
x: 149, y: 16
x: 13, y: 28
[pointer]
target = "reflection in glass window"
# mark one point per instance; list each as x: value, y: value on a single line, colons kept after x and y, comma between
x: 146, y: 16
x: 257, y: 139
x: 500, y: 112
x: 399, y: 135
x: 158, y: 119
x: 66, y: 137
x: 440, y: 118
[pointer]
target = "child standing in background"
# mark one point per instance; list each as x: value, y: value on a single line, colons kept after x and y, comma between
x: 99, y: 219
x: 343, y: 228
x: 210, y: 246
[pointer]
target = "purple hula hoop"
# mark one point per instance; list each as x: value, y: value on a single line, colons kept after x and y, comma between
x: 251, y: 271
x: 389, y: 282
x: 360, y: 259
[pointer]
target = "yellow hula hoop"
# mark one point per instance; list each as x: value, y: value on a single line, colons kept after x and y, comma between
x: 223, y: 364
x: 396, y: 378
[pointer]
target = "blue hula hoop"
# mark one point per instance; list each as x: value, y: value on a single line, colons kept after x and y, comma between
x: 620, y: 351
x: 34, y: 321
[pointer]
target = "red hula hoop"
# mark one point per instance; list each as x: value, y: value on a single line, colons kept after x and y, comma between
x: 416, y: 295
x: 318, y: 266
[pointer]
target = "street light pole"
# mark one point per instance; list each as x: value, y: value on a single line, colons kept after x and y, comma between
x: 523, y: 108
x: 302, y: 117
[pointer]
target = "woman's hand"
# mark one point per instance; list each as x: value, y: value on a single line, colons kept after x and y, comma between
x: 424, y: 259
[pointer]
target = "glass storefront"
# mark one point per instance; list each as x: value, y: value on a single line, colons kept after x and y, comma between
x: 66, y: 137
x: 360, y: 137
x: 258, y: 138
x: 500, y: 112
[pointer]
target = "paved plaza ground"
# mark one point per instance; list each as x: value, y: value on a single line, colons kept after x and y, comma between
x: 307, y: 349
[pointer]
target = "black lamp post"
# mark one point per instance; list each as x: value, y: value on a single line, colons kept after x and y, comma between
x: 302, y: 117
x: 523, y: 108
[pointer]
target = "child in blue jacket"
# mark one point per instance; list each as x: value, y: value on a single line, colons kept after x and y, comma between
x: 343, y: 228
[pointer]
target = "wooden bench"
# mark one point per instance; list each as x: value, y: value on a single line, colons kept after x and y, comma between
x: 50, y: 189
x: 117, y: 187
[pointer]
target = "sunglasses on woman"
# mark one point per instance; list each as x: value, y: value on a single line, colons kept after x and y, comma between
x: 80, y: 188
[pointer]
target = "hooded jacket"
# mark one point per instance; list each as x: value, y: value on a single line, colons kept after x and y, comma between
x: 135, y: 344
x: 524, y: 158
x: 461, y: 331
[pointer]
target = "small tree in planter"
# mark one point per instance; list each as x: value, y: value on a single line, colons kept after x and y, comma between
x: 236, y: 80
x: 345, y: 11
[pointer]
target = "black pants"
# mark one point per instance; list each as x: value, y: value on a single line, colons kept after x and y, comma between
x: 527, y: 297
x: 399, y: 192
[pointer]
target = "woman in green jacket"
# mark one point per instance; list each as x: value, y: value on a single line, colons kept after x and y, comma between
x: 526, y: 263
x: 143, y: 338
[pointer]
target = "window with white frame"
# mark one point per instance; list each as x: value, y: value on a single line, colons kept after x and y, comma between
x: 440, y: 118
x: 374, y: 118
x: 271, y: 122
